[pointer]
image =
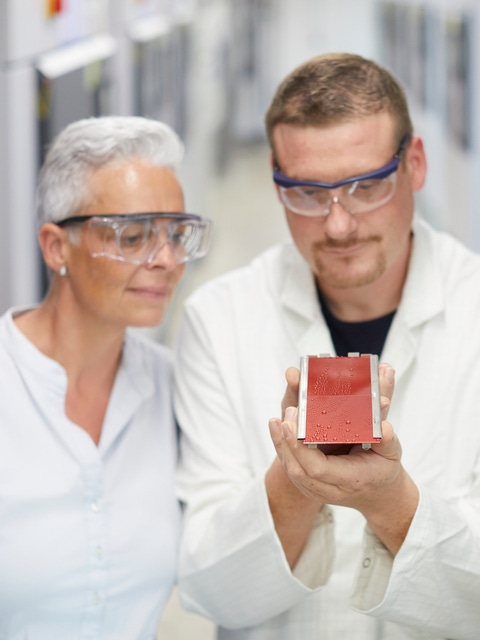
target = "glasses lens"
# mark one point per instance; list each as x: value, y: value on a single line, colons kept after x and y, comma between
x: 355, y: 197
x: 101, y: 239
x: 366, y: 195
x: 120, y: 240
x: 189, y: 239
x: 135, y: 239
x: 309, y: 201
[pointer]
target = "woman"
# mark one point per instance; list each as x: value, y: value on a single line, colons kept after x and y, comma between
x: 88, y: 519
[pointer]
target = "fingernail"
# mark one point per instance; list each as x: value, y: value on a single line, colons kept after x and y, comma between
x: 389, y: 373
x: 272, y: 425
x: 290, y: 413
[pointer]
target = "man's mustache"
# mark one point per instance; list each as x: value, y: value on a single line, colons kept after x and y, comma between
x: 331, y: 243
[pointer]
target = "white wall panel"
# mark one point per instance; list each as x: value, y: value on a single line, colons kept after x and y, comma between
x: 448, y: 119
x: 29, y: 30
x: 18, y: 165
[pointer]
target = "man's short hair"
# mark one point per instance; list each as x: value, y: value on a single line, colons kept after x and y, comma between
x: 334, y: 88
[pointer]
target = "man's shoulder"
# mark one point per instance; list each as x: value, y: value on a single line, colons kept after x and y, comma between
x: 443, y: 271
x: 427, y: 230
x: 451, y: 254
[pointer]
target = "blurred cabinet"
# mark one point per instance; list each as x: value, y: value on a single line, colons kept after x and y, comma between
x: 55, y: 67
x: 432, y: 47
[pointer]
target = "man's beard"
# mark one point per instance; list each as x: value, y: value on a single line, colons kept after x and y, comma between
x: 348, y: 272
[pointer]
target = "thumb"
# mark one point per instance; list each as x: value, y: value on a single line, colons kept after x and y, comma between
x: 389, y: 447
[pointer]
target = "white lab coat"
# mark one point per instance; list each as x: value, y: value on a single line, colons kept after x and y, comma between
x: 240, y: 332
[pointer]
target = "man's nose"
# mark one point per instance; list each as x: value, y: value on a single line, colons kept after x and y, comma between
x: 339, y: 223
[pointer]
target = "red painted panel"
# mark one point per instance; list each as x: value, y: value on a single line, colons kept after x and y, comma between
x: 339, y: 401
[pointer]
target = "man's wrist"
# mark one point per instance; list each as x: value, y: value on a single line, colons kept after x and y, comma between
x: 391, y: 515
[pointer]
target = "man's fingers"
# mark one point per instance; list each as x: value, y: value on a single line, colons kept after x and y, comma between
x: 386, y: 378
x: 275, y: 426
x: 290, y: 399
x: 283, y: 436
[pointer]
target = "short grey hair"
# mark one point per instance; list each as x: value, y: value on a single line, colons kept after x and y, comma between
x: 86, y: 145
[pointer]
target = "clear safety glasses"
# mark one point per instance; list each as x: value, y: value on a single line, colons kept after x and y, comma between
x: 356, y: 195
x: 138, y: 237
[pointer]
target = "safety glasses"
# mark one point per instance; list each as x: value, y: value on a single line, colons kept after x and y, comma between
x: 138, y: 237
x: 356, y: 195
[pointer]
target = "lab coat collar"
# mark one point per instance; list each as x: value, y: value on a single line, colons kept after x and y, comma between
x: 304, y: 319
x: 422, y: 299
x: 423, y: 296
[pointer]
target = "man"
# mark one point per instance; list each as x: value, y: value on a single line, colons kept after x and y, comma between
x: 272, y: 546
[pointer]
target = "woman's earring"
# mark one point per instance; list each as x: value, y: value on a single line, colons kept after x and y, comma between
x: 63, y: 270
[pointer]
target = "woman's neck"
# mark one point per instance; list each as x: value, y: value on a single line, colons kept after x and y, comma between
x: 86, y: 349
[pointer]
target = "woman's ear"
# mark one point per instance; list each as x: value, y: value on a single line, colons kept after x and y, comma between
x: 416, y: 162
x: 53, y: 242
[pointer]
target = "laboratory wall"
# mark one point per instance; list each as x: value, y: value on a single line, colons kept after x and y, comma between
x: 433, y: 47
x: 209, y: 68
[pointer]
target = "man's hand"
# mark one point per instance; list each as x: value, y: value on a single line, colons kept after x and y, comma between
x: 371, y: 481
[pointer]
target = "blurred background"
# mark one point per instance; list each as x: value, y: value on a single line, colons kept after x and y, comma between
x: 209, y: 68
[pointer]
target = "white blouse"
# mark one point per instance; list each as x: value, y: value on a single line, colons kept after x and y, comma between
x: 88, y: 534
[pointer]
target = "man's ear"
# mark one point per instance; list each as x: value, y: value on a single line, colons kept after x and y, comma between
x: 53, y: 242
x: 416, y: 162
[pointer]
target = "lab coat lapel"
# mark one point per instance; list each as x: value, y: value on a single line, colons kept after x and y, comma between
x: 422, y: 299
x: 304, y: 319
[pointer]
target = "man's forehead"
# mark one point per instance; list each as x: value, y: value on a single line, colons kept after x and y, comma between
x: 378, y: 125
x: 336, y: 152
x: 375, y: 134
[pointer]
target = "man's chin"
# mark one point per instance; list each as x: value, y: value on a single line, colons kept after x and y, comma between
x: 353, y: 280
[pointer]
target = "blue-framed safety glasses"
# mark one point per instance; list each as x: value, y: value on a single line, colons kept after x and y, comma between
x: 356, y: 195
